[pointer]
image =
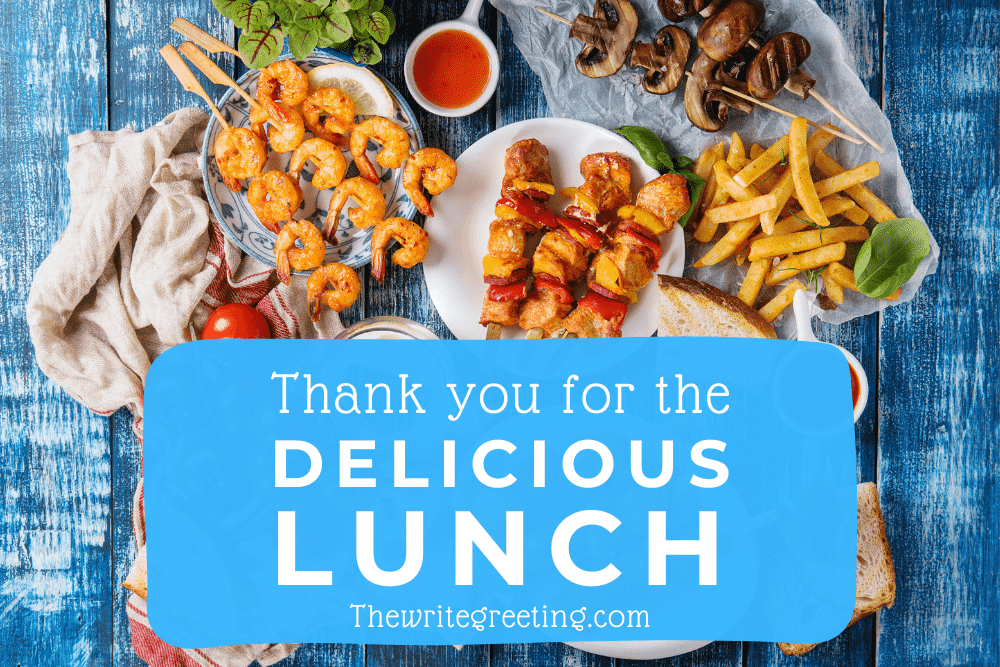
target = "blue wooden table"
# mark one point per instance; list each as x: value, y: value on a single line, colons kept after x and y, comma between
x: 929, y: 438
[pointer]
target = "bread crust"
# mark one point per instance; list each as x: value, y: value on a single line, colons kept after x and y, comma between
x: 720, y: 299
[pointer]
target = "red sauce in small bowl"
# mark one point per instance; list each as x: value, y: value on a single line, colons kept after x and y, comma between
x: 855, y: 386
x: 451, y: 69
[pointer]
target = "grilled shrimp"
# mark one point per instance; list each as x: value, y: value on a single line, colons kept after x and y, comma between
x: 311, y: 254
x: 364, y: 192
x: 409, y: 235
x: 435, y: 169
x: 284, y: 82
x: 334, y: 285
x: 330, y: 163
x: 274, y: 196
x: 329, y: 114
x: 395, y: 145
x: 282, y: 136
x: 240, y: 154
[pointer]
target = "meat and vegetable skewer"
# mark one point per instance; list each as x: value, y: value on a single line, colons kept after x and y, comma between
x: 562, y: 256
x: 521, y: 212
x: 618, y: 271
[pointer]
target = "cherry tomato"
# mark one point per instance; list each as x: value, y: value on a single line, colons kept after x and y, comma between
x: 236, y: 320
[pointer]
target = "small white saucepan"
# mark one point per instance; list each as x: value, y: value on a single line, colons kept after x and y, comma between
x: 805, y: 306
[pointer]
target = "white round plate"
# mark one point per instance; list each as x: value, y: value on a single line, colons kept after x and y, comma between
x: 459, y: 230
x: 241, y: 224
x: 640, y: 650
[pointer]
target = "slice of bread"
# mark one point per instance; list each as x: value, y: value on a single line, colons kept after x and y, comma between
x: 692, y: 308
x: 876, y: 579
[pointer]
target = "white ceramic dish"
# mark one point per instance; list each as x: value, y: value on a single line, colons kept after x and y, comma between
x: 640, y: 650
x: 459, y: 230
x: 241, y: 224
x: 468, y: 22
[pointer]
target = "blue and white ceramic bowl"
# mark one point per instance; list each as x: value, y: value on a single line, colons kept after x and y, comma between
x: 237, y: 218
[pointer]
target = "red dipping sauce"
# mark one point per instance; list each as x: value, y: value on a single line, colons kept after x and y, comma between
x: 855, y: 386
x: 451, y: 69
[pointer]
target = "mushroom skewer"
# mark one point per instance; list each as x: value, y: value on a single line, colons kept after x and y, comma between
x: 608, y: 35
x: 779, y: 64
x: 771, y: 107
x: 724, y: 88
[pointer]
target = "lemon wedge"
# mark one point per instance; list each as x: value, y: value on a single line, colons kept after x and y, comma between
x: 366, y: 90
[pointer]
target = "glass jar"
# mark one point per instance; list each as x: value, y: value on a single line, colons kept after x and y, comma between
x: 387, y: 327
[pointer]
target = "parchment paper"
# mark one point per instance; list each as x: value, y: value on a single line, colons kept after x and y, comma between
x: 620, y: 100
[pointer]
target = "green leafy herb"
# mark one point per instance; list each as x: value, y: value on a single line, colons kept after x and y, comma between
x: 784, y: 159
x: 308, y: 24
x: 302, y: 42
x: 655, y: 154
x: 805, y: 222
x: 812, y: 275
x: 261, y: 46
x: 890, y: 256
x: 367, y: 53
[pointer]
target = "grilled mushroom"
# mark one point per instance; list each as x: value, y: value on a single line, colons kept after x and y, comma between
x: 608, y: 35
x: 664, y: 59
x: 724, y: 33
x: 678, y: 10
x: 778, y: 62
x: 705, y: 101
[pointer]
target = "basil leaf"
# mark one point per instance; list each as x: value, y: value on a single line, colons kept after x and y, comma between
x: 696, y: 185
x: 665, y: 160
x: 890, y: 256
x: 646, y: 142
x: 683, y: 162
x: 261, y: 46
x: 302, y: 42
x: 377, y: 26
x: 337, y: 27
x: 231, y: 8
x: 309, y: 16
x: 367, y: 53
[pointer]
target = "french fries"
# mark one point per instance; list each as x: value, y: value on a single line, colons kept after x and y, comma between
x: 776, y: 246
x: 754, y: 280
x: 798, y: 160
x: 741, y: 210
x: 767, y: 161
x: 782, y: 221
x: 865, y: 198
x: 846, y: 179
x: 793, y: 265
x: 783, y: 300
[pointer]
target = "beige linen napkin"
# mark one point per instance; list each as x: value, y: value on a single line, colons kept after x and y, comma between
x: 138, y: 269
x: 141, y: 265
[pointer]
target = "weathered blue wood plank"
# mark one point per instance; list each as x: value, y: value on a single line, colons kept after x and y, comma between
x: 141, y: 91
x: 473, y: 655
x: 55, y: 542
x: 861, y: 23
x: 405, y: 292
x: 938, y: 432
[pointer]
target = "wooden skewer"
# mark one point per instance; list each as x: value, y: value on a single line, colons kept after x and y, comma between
x: 188, y: 80
x: 215, y: 74
x: 493, y: 331
x: 771, y: 107
x: 554, y: 16
x: 847, y: 121
x: 202, y: 38
x: 832, y: 109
